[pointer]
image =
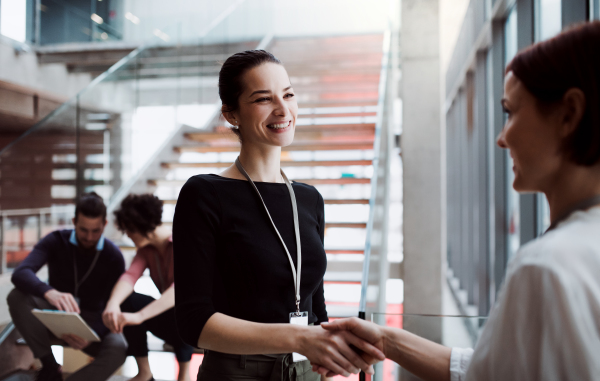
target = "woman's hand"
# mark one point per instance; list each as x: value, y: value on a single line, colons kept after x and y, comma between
x: 115, y: 320
x: 331, y: 351
x: 130, y: 319
x: 369, y: 332
x: 110, y: 317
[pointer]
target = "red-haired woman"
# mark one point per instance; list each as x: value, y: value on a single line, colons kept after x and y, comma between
x: 545, y: 324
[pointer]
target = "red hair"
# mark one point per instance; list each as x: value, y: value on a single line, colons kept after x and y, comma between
x: 570, y: 60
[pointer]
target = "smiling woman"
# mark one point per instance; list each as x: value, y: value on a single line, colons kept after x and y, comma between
x: 248, y: 246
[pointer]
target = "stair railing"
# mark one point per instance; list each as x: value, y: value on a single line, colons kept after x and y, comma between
x: 375, y: 266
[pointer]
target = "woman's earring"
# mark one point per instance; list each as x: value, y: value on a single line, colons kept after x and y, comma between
x: 235, y: 126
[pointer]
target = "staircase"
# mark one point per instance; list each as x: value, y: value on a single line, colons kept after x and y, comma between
x: 336, y: 83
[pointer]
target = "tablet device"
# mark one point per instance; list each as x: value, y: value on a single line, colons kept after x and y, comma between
x: 61, y: 323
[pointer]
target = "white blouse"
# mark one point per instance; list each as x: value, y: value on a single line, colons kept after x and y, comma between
x: 545, y: 324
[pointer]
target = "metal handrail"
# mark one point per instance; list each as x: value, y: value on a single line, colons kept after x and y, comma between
x: 6, y: 332
x: 376, y: 147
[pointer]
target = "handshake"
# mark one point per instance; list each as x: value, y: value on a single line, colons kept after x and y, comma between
x: 352, y: 345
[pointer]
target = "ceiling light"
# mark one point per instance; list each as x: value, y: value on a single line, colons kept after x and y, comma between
x: 97, y: 19
x: 133, y: 18
x: 162, y: 35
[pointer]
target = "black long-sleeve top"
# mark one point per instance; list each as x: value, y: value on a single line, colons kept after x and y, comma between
x: 61, y: 256
x: 228, y: 258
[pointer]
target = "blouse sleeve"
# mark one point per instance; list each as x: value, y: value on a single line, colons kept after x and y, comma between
x: 195, y: 229
x: 318, y: 302
x: 460, y: 358
x: 135, y: 270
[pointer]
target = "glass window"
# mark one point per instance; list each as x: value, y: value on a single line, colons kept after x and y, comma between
x: 512, y: 199
x: 543, y: 214
x: 595, y: 9
x: 548, y: 20
x: 13, y: 18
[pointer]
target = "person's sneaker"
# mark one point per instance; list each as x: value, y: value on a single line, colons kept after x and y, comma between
x: 49, y: 374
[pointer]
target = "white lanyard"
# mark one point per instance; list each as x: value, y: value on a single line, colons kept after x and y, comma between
x: 296, y: 228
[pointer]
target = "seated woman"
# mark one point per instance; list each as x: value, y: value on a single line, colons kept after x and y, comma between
x: 545, y: 324
x: 135, y: 314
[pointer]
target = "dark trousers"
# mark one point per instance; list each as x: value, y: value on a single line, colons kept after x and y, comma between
x: 218, y: 366
x: 162, y: 326
x: 109, y: 354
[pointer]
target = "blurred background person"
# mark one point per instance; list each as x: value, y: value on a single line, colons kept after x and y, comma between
x: 135, y: 314
x: 83, y: 267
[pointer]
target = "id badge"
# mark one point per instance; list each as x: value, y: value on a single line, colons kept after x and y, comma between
x: 299, y: 318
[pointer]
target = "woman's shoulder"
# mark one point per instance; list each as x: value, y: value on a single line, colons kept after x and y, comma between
x: 204, y: 180
x: 307, y: 190
x: 571, y: 250
x: 208, y: 183
x: 199, y: 190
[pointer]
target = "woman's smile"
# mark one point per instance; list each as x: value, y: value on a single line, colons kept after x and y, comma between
x: 280, y: 126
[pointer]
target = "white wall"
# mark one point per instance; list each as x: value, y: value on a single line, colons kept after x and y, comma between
x: 452, y: 15
x: 22, y: 68
x: 332, y: 17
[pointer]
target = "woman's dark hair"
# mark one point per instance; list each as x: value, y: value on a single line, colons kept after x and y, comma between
x: 230, y: 76
x: 90, y: 205
x: 570, y: 60
x: 140, y: 213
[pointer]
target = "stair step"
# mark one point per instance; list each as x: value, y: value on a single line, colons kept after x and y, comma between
x: 324, y: 146
x: 328, y: 251
x: 327, y: 202
x: 284, y: 163
x: 340, y: 281
x: 338, y: 103
x: 344, y: 225
x: 344, y: 251
x: 301, y: 135
x: 341, y: 181
x: 337, y: 115
x: 320, y: 127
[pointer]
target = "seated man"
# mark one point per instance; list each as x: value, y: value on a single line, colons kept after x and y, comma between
x: 83, y: 267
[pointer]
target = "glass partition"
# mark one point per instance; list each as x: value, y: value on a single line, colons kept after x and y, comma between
x: 126, y: 120
x: 62, y: 21
x: 594, y: 9
x: 548, y: 19
x: 456, y: 331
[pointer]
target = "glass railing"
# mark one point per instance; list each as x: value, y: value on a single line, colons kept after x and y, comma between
x: 126, y: 120
x: 375, y: 266
x: 451, y: 331
x: 61, y: 21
